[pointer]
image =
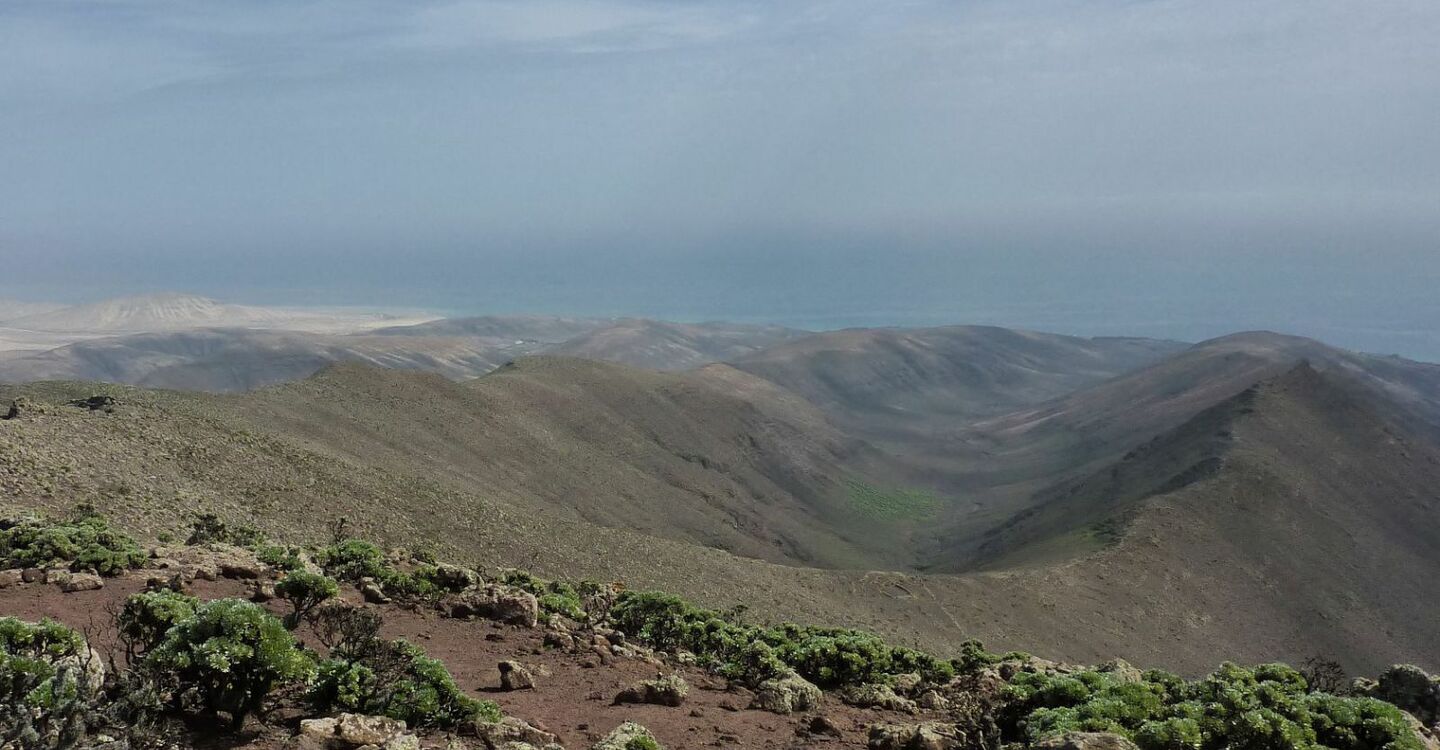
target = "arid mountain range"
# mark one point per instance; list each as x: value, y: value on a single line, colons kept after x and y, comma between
x: 1252, y: 497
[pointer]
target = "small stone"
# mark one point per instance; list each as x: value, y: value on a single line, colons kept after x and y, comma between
x: 372, y: 593
x: 262, y: 591
x: 824, y: 725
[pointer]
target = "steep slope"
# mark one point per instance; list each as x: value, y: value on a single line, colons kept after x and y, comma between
x: 615, y: 446
x: 538, y: 328
x: 1310, y: 530
x: 908, y: 381
x: 1099, y: 422
x: 1295, y: 513
x: 659, y: 345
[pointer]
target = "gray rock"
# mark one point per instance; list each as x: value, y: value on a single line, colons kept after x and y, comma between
x: 82, y: 582
x: 1086, y: 741
x: 669, y: 690
x: 621, y: 737
x: 786, y: 694
x: 510, y: 731
x: 515, y: 676
x: 931, y: 735
x: 877, y: 696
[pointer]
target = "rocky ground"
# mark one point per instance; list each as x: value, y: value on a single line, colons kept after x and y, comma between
x: 574, y: 687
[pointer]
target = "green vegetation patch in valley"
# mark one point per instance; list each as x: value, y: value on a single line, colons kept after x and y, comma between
x: 891, y: 503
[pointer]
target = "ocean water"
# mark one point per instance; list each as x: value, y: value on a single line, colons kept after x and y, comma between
x: 1381, y: 305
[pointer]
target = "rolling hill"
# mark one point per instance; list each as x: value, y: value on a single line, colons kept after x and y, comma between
x: 903, y: 381
x: 659, y: 345
x: 266, y: 346
x: 1288, y: 518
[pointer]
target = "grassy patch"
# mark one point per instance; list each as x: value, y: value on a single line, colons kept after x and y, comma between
x: 892, y: 504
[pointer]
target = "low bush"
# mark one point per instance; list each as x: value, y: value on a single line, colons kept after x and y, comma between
x: 230, y: 655
x: 83, y: 543
x: 396, y: 679
x: 209, y: 528
x: 354, y: 559
x: 555, y: 597
x: 304, y: 591
x: 147, y: 616
x: 1269, y: 707
x: 45, y: 688
x: 829, y: 657
x: 279, y: 557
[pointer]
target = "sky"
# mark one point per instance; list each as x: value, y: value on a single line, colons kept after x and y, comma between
x: 1149, y: 167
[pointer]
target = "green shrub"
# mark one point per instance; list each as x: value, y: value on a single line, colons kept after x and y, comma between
x: 231, y: 653
x: 555, y: 597
x: 1269, y: 707
x: 45, y: 692
x: 354, y: 559
x: 829, y: 657
x: 305, y: 591
x: 279, y: 557
x: 398, y: 680
x: 208, y: 528
x: 149, y: 615
x: 86, y: 543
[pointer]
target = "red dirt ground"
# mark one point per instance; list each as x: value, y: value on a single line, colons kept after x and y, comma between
x: 573, y: 692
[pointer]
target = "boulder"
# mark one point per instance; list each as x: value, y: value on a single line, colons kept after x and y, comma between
x: 1121, y: 670
x: 824, y: 726
x: 372, y: 592
x: 12, y: 577
x: 1086, y: 741
x: 907, y: 683
x: 625, y: 737
x: 786, y: 694
x: 1412, y: 689
x: 669, y: 690
x: 515, y: 676
x: 877, y: 696
x: 510, y: 731
x: 454, y: 577
x: 506, y: 604
x: 931, y: 735
x: 58, y: 576
x: 210, y: 562
x: 932, y: 700
x: 33, y: 575
x: 90, y: 665
x: 262, y: 591
x: 82, y: 582
x: 358, y: 729
x: 317, y: 734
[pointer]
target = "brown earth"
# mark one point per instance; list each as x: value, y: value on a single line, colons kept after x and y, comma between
x: 573, y: 693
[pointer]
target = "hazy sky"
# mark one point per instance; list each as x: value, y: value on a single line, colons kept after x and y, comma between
x: 1157, y: 167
